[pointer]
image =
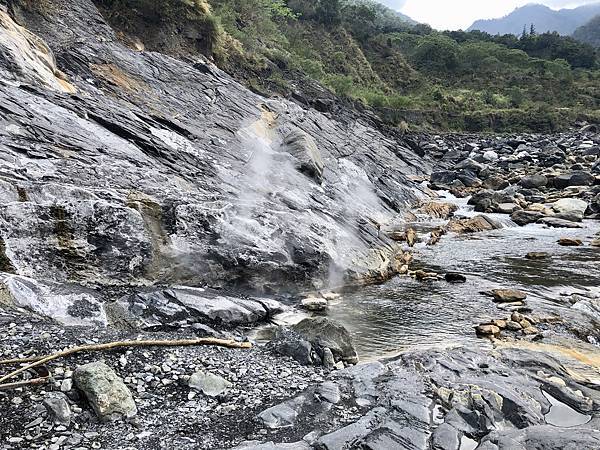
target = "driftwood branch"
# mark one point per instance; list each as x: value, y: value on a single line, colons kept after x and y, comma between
x: 6, y: 362
x: 35, y: 381
x: 112, y: 345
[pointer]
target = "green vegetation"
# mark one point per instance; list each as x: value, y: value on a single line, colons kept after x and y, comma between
x: 408, y: 72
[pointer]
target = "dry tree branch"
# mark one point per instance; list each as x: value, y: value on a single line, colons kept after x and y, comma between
x: 35, y: 381
x: 119, y: 344
x: 5, y: 362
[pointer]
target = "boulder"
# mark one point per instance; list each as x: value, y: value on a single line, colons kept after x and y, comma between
x: 455, y: 278
x: 508, y: 295
x: 469, y: 179
x: 490, y: 156
x: 314, y: 304
x: 442, y: 179
x: 558, y: 222
x: 438, y: 210
x: 570, y: 242
x: 507, y: 208
x: 289, y: 343
x: 526, y: 217
x: 473, y: 225
x: 105, y: 391
x: 495, y: 183
x: 487, y: 330
x: 282, y: 415
x: 534, y: 181
x: 209, y: 384
x: 469, y: 164
x: 571, y: 206
x: 579, y: 178
x: 323, y: 333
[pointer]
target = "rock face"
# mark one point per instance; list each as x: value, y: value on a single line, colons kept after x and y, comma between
x: 166, y: 171
x: 105, y: 391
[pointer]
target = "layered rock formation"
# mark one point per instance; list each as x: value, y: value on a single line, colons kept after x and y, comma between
x: 138, y: 169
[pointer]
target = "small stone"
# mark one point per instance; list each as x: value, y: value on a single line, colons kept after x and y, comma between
x: 66, y: 385
x: 502, y: 324
x: 513, y: 326
x: 58, y: 408
x: 210, y: 384
x: 537, y: 255
x: 487, y: 330
x: 328, y: 358
x: 530, y: 331
x: 525, y: 323
x: 455, y: 278
x: 516, y: 317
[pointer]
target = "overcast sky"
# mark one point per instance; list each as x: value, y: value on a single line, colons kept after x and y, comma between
x: 460, y: 14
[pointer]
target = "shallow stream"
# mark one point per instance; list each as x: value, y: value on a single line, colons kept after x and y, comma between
x: 404, y: 313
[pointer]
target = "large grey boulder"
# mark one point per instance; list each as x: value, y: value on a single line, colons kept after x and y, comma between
x: 324, y: 333
x: 289, y: 343
x: 106, y: 392
x: 572, y: 206
x: 534, y: 181
x: 283, y: 415
x: 526, y: 217
x: 578, y: 178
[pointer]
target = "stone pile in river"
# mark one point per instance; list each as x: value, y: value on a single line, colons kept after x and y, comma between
x: 552, y: 180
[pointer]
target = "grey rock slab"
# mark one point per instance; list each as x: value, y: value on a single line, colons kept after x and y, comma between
x: 210, y: 384
x: 283, y: 415
x: 546, y: 437
x: 329, y: 391
x: 353, y: 434
x: 58, y: 407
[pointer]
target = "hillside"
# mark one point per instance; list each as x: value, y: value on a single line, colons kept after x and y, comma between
x: 544, y: 19
x: 590, y: 32
x: 316, y: 52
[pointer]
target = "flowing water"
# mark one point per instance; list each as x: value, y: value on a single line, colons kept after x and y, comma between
x: 405, y: 313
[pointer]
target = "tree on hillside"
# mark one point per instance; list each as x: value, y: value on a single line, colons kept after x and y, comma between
x: 329, y: 12
x: 437, y: 53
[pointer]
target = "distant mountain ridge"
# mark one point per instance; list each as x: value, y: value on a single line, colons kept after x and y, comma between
x: 564, y: 21
x: 590, y: 32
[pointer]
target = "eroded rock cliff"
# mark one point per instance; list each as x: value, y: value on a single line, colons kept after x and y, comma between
x: 123, y: 168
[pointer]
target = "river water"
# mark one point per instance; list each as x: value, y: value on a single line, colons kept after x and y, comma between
x: 405, y: 314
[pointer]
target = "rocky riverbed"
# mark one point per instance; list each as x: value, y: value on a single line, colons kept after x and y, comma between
x: 382, y: 291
